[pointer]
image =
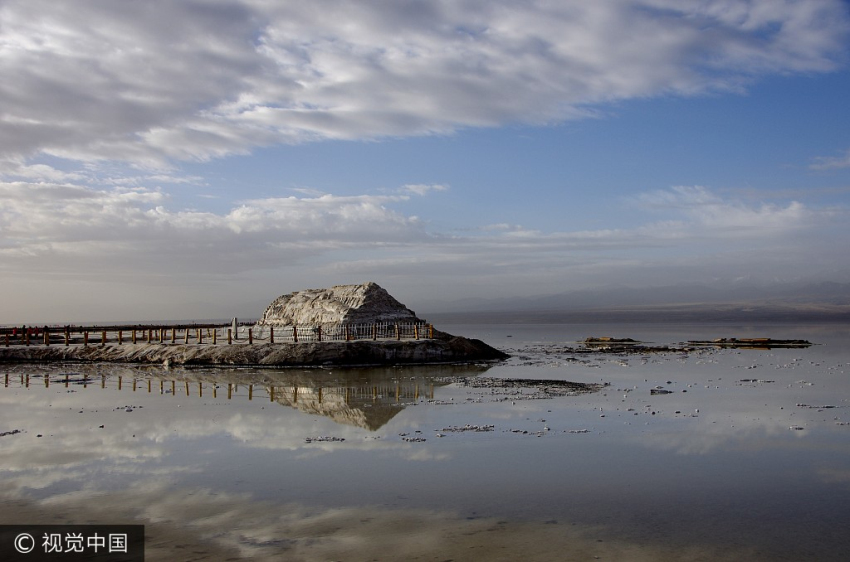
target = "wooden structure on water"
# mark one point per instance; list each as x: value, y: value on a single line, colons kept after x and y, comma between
x: 212, y: 334
x: 750, y: 343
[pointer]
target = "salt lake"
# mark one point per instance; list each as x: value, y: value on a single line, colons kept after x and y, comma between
x: 747, y: 455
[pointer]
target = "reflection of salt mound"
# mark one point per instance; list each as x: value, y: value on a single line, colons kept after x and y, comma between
x: 340, y: 304
x: 342, y: 405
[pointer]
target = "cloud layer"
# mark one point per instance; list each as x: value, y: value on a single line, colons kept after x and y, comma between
x: 65, y: 227
x: 61, y: 231
x: 153, y: 82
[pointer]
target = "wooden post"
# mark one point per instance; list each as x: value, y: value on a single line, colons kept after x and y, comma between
x: 120, y: 337
x: 229, y: 336
x: 173, y: 334
x: 271, y: 334
x: 214, y: 332
x: 150, y: 335
x: 295, y: 334
x: 431, y: 331
x: 250, y: 392
x: 416, y: 331
x: 161, y: 334
x: 229, y: 385
x: 46, y: 338
x: 186, y: 338
x: 134, y: 336
x: 67, y: 337
x: 102, y: 338
x: 85, y: 339
x: 27, y: 337
x: 7, y: 340
x: 250, y: 336
x: 200, y: 335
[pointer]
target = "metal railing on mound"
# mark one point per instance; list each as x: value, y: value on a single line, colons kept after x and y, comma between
x: 345, y: 332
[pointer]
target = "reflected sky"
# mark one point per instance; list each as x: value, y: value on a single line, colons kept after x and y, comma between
x: 742, y: 457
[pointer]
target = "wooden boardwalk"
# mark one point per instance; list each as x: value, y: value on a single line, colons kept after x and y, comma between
x: 210, y: 334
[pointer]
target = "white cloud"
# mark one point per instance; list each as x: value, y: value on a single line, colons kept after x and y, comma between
x: 725, y: 218
x: 54, y: 227
x: 502, y: 226
x: 38, y: 172
x: 153, y: 82
x: 422, y: 189
x: 831, y: 162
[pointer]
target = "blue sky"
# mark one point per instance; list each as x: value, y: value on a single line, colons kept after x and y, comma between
x: 192, y: 160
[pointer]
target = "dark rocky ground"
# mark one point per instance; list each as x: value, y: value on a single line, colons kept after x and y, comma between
x: 443, y: 348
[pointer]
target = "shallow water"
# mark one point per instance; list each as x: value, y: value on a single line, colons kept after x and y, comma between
x: 748, y: 457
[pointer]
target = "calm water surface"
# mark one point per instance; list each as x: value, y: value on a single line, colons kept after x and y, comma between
x: 748, y: 457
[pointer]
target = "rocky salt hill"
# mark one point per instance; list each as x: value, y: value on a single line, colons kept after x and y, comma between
x: 342, y: 325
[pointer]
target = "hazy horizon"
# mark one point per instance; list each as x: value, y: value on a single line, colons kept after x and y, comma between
x: 778, y: 302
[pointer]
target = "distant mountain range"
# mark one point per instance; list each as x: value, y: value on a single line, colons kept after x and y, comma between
x: 723, y: 301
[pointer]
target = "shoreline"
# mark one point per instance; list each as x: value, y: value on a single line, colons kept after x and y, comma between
x: 442, y: 349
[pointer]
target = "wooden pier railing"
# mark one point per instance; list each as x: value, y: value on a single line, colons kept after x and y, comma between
x: 211, y: 334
